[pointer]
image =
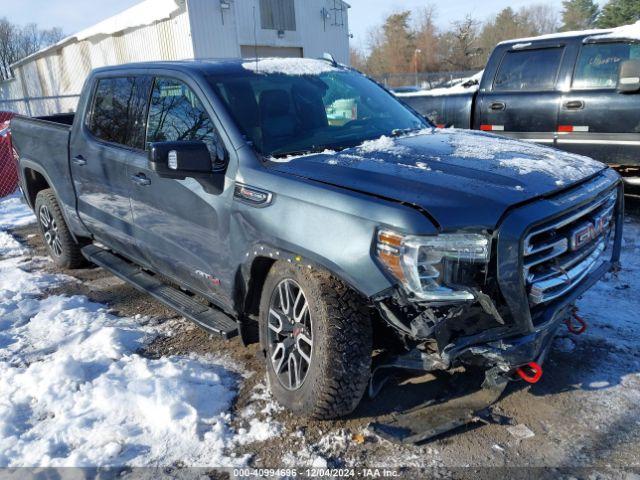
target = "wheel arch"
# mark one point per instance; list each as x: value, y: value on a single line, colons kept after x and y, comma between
x: 34, y: 182
x: 253, y: 273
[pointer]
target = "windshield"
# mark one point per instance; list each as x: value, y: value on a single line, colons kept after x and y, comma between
x: 293, y: 114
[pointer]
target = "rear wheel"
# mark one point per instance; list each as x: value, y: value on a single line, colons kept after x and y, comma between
x: 316, y: 335
x: 60, y: 244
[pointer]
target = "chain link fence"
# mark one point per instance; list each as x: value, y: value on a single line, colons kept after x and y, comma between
x: 424, y: 80
x: 8, y: 161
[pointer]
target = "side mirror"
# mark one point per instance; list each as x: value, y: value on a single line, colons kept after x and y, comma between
x: 180, y: 160
x: 629, y: 81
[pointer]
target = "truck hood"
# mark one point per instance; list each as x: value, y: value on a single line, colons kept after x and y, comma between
x: 463, y: 179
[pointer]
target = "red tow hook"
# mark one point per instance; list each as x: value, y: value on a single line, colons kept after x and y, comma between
x: 581, y: 326
x: 530, y: 373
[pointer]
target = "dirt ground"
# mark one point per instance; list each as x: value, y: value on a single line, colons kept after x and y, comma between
x: 570, y: 423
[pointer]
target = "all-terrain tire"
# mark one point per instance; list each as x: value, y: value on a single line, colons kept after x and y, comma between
x: 340, y: 365
x: 62, y: 247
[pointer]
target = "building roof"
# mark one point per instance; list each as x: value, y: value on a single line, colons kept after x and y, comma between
x: 141, y: 14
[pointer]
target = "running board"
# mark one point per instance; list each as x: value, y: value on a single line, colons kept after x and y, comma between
x: 210, y: 319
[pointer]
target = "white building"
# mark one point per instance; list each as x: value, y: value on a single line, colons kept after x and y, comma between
x: 49, y: 81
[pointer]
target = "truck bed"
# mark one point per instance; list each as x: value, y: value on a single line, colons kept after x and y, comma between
x: 42, y: 145
x: 453, y: 110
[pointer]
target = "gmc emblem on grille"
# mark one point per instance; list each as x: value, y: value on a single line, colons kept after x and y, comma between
x: 589, y: 231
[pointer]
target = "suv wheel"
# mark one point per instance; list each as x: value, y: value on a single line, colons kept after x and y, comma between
x: 317, y: 339
x: 62, y: 248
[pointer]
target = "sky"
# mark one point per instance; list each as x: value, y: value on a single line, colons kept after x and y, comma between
x: 74, y: 15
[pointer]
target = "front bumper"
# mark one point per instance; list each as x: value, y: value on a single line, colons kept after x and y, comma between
x: 529, y: 331
x: 527, y: 337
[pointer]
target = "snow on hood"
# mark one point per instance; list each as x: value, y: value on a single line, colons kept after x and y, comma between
x: 289, y: 66
x: 461, y: 178
x: 524, y: 158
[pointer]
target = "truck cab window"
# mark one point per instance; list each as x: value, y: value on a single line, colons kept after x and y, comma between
x: 598, y: 65
x: 176, y: 114
x: 528, y: 70
x: 119, y: 110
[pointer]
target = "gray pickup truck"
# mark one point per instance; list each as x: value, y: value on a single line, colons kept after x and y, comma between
x: 301, y: 205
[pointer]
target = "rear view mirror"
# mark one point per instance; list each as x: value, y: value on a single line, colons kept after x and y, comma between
x: 629, y: 77
x: 180, y: 160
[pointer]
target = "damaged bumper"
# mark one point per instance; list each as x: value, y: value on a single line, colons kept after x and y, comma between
x: 530, y: 327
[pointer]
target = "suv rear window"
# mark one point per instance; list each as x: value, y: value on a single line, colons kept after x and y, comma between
x: 119, y: 110
x: 528, y: 70
x: 598, y: 65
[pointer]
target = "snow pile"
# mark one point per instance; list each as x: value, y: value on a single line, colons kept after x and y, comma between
x: 77, y: 392
x: 289, y: 66
x: 523, y: 157
x: 383, y: 144
x: 8, y: 245
x: 257, y: 417
x: 14, y: 213
x: 626, y: 32
x: 467, y: 85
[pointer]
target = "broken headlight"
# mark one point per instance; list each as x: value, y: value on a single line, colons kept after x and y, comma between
x: 429, y: 266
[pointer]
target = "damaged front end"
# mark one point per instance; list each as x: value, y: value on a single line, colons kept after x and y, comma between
x: 492, y: 301
x: 496, y: 300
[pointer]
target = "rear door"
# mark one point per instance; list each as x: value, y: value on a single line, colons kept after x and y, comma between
x: 595, y: 119
x: 523, y: 100
x: 101, y: 147
x: 182, y: 226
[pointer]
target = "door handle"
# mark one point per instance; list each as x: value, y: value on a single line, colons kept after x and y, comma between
x: 79, y: 160
x: 140, y: 180
x: 574, y: 105
x: 498, y: 106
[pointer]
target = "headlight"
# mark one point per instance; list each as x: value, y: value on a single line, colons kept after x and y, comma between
x: 423, y: 264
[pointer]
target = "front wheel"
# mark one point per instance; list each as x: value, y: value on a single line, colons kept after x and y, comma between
x: 317, y: 339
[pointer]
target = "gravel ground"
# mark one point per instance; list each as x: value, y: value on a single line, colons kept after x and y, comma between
x: 584, y: 413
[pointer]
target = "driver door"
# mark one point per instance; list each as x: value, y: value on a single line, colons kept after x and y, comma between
x: 181, y: 226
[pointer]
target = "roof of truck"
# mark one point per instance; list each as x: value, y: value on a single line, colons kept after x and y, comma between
x: 287, y: 66
x: 626, y: 32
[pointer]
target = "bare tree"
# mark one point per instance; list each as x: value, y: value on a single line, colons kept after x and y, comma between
x: 460, y: 49
x: 427, y: 39
x: 17, y: 42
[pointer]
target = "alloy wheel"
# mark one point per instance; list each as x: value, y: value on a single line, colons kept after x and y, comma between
x: 290, y: 334
x: 50, y: 230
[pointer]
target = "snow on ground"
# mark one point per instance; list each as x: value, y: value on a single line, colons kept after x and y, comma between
x: 13, y: 212
x: 76, y: 392
x: 610, y: 308
x: 289, y: 66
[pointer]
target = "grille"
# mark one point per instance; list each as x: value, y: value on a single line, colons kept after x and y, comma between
x: 560, y: 253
